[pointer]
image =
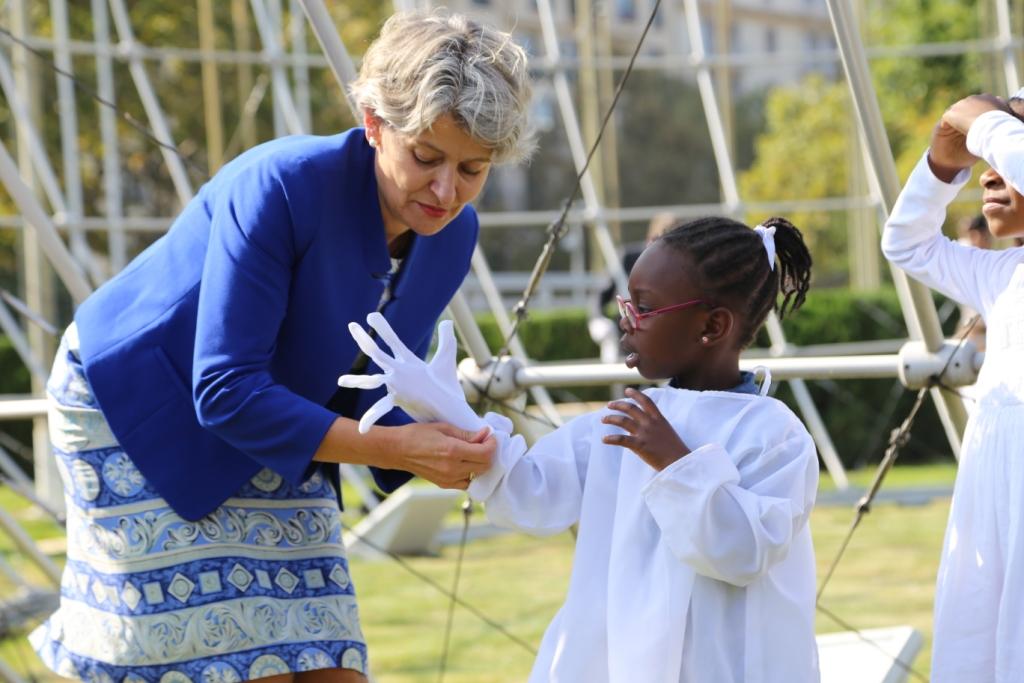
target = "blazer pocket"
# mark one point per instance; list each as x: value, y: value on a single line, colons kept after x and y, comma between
x: 172, y: 374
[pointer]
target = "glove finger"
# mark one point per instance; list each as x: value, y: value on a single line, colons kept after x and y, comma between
x: 362, y: 381
x: 376, y: 411
x: 398, y: 347
x: 443, y: 361
x: 369, y: 347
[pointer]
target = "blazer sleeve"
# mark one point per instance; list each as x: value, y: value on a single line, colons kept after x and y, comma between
x: 243, y: 300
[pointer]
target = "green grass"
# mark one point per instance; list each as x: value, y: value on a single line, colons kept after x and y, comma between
x: 885, y: 579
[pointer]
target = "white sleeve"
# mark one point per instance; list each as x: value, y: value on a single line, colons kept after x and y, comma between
x: 998, y: 138
x: 539, y: 491
x: 734, y: 526
x: 914, y: 242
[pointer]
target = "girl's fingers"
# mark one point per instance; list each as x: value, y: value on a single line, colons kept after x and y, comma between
x: 644, y: 401
x: 622, y: 422
x: 624, y: 440
x: 627, y: 407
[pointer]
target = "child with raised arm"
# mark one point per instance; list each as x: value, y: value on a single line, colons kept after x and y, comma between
x: 693, y: 558
x: 979, y: 624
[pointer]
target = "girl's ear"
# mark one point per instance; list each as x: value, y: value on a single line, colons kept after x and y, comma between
x: 717, y: 327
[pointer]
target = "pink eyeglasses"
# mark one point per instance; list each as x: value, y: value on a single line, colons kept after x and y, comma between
x: 633, y: 317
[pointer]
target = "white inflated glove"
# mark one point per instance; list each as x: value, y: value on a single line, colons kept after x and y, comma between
x: 428, y: 392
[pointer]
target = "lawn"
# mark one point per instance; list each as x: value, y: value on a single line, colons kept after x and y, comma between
x: 886, y: 578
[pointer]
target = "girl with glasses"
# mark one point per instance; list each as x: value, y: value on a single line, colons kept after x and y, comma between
x: 693, y: 559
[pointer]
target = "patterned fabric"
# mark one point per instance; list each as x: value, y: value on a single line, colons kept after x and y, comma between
x: 256, y: 588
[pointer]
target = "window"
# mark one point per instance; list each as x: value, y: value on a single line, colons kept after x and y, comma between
x: 625, y: 9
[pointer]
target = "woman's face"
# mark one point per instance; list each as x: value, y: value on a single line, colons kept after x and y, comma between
x: 425, y: 180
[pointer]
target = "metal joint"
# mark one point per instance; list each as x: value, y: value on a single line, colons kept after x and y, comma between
x: 498, y: 377
x: 953, y: 364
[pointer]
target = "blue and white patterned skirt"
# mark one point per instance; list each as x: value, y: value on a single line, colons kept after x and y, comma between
x: 256, y: 588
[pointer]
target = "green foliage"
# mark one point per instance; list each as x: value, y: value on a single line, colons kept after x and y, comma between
x: 859, y: 414
x: 787, y: 165
x: 809, y: 137
x: 559, y: 334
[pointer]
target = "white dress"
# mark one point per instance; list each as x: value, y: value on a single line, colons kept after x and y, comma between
x: 703, y: 572
x: 979, y: 600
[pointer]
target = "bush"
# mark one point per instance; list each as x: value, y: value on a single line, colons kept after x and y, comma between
x: 859, y: 414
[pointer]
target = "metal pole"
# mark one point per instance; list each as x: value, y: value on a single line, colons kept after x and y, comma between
x: 602, y: 374
x: 21, y: 344
x: 341, y: 64
x: 50, y: 242
x: 211, y: 88
x: 300, y: 71
x: 155, y: 115
x: 915, y: 299
x: 1004, y: 36
x: 730, y: 192
x: 279, y: 78
x: 31, y: 140
x: 113, y: 200
x: 579, y: 153
x: 25, y: 543
x: 69, y: 142
x: 240, y: 26
x: 706, y: 87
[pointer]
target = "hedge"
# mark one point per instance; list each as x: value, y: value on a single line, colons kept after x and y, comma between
x: 859, y: 414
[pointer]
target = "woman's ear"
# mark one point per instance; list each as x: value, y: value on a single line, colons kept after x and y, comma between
x: 718, y: 326
x: 372, y: 124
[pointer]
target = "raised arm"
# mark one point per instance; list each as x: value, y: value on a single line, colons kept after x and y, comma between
x: 913, y: 238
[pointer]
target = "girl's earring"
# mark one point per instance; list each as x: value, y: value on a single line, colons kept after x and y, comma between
x: 704, y: 340
x: 373, y: 143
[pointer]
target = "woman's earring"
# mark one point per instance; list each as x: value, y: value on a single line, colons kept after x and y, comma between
x: 373, y: 143
x: 704, y: 339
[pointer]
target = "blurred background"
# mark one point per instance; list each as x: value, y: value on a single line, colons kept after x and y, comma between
x: 732, y: 106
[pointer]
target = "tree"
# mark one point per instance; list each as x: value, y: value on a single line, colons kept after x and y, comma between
x: 809, y: 135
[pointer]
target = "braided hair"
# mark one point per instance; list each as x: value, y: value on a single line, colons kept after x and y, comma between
x: 732, y: 268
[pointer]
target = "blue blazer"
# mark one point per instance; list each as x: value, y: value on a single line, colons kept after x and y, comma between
x: 214, y: 352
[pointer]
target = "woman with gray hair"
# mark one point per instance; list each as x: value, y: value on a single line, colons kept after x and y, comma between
x: 194, y: 410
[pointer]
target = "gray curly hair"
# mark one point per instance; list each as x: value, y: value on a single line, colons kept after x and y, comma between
x: 425, y: 65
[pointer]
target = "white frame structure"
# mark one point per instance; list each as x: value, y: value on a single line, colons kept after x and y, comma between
x: 44, y: 217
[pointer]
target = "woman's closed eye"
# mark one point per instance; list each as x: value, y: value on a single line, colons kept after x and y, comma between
x: 425, y: 160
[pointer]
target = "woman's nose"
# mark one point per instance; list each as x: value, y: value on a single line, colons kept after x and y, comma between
x: 443, y: 186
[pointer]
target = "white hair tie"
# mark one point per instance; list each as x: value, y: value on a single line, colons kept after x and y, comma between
x: 768, y: 237
x: 1019, y: 95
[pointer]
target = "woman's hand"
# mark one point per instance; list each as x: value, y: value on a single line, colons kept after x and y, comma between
x: 648, y: 433
x: 438, y: 452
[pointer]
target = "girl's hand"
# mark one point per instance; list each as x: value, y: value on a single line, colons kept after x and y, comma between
x: 649, y: 434
x: 440, y: 453
x: 963, y: 113
x: 948, y: 154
